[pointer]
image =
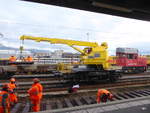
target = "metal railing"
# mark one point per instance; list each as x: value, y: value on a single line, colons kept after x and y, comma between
x: 55, y: 60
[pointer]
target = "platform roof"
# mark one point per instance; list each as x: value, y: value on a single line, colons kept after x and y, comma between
x: 137, y: 9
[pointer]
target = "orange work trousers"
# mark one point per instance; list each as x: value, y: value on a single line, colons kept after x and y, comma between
x: 98, y: 100
x: 13, y: 98
x: 7, y: 110
x: 35, y: 105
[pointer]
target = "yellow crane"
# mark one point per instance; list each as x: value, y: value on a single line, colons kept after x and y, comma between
x: 94, y: 56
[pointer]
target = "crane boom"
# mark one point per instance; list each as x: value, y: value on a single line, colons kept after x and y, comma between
x: 60, y: 41
x: 70, y: 43
x: 93, y: 54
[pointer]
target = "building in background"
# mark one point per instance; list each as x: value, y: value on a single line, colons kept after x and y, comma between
x: 42, y: 54
x: 38, y: 54
x: 8, y: 53
x: 57, y: 54
x: 70, y: 55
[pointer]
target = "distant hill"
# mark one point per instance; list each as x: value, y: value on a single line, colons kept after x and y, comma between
x: 2, y: 47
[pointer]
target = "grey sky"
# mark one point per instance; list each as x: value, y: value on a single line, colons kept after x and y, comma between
x: 18, y: 18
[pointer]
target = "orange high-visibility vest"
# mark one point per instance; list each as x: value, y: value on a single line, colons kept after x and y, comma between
x: 12, y: 86
x: 29, y: 59
x: 34, y: 93
x: 34, y: 97
x: 13, y: 96
x: 12, y: 59
x: 40, y: 88
x: 100, y: 93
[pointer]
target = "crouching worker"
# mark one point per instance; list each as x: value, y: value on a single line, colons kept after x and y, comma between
x: 73, y: 89
x: 103, y: 95
x: 4, y: 99
x: 12, y: 90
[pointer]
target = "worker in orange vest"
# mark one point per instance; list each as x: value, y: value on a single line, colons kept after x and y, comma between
x: 4, y: 99
x: 13, y: 96
x: 37, y: 83
x: 35, y: 96
x: 103, y: 95
x: 29, y: 59
x: 12, y: 59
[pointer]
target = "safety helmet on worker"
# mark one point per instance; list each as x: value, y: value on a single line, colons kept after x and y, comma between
x: 36, y: 80
x: 12, y: 80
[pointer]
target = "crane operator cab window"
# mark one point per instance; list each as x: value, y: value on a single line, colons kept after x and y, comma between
x: 88, y: 50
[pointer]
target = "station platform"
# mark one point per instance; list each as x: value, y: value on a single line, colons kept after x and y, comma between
x: 137, y: 105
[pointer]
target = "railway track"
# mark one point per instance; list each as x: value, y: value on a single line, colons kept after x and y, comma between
x: 80, y: 99
x: 51, y: 85
x: 50, y: 101
x: 27, y: 78
x: 57, y: 85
